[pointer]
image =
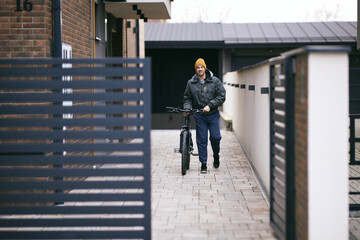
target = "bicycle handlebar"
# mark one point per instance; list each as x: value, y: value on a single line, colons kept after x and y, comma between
x: 177, y: 110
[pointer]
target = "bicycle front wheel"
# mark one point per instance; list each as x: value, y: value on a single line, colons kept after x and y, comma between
x: 185, y: 155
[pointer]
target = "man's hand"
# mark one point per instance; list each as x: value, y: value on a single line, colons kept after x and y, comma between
x: 186, y: 114
x: 206, y: 109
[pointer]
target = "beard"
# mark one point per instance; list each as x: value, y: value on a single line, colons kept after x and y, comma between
x: 201, y: 74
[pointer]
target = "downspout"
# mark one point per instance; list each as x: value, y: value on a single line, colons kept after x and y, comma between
x: 358, y: 25
x: 138, y: 56
x: 57, y: 29
x: 126, y: 39
x: 137, y: 38
x: 93, y: 55
x: 57, y: 54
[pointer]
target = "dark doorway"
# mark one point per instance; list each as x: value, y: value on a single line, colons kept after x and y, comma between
x: 171, y: 69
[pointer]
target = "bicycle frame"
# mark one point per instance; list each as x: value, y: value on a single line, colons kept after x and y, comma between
x: 186, y: 144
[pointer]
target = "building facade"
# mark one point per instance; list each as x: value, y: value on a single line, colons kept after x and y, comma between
x: 79, y: 29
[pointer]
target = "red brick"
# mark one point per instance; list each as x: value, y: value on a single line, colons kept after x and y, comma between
x: 39, y: 54
x: 38, y: 19
x: 10, y: 25
x: 33, y: 14
x: 21, y: 31
x: 15, y: 49
x: 4, y: 43
x: 39, y: 2
x: 38, y: 7
x: 34, y: 49
x: 34, y: 25
x: 4, y: 37
x: 4, y: 7
x: 4, y: 31
x: 21, y: 19
x: 21, y: 43
x: 34, y: 37
x: 9, y: 14
x: 4, y: 20
x: 15, y: 37
x: 21, y: 54
x: 39, y: 42
x: 5, y: 55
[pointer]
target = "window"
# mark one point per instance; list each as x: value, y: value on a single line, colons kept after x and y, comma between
x: 67, y: 54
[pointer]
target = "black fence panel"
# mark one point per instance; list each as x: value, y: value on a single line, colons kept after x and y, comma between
x: 75, y: 148
x: 282, y: 149
x: 354, y: 140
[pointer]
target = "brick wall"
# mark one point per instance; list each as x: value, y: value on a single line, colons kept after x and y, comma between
x: 24, y: 33
x: 28, y: 34
x: 301, y: 125
x: 76, y: 27
x: 129, y: 39
x: 129, y: 51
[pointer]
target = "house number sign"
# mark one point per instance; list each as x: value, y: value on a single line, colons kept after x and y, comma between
x: 27, y: 5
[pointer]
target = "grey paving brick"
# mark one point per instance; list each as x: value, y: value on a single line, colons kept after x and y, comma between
x: 225, y: 203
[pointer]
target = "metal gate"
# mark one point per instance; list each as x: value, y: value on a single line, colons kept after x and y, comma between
x: 282, y: 148
x: 75, y: 149
x: 354, y: 139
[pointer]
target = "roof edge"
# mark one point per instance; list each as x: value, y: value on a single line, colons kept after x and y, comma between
x: 184, y: 44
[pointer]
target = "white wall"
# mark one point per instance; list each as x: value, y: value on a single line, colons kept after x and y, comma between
x: 249, y: 111
x: 328, y: 125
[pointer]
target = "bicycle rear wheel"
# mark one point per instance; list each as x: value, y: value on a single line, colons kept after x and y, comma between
x: 185, y: 155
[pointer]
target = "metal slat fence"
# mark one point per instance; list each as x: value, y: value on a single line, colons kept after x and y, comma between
x: 354, y: 140
x: 282, y: 149
x: 75, y: 148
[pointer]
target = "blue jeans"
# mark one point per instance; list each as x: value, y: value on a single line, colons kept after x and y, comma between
x: 207, y: 123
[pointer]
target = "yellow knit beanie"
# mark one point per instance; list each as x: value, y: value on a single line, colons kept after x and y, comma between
x: 200, y: 61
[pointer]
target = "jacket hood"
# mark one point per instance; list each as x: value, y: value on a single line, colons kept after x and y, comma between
x: 208, y: 73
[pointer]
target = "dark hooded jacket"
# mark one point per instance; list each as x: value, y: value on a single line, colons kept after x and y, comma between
x: 198, y: 95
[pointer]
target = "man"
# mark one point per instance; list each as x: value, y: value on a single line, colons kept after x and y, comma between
x: 205, y: 91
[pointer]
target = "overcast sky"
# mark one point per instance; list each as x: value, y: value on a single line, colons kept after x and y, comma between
x: 250, y: 11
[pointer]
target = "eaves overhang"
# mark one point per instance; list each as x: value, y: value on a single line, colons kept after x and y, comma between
x: 283, y: 44
x: 139, y: 9
x: 248, y: 35
x: 184, y: 44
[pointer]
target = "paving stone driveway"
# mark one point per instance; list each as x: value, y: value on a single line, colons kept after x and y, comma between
x: 223, y: 204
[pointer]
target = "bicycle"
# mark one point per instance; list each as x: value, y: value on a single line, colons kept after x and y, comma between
x: 186, y: 143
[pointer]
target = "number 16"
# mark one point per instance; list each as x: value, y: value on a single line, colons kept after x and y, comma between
x: 27, y: 6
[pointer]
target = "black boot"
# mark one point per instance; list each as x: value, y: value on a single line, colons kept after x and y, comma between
x: 203, y: 168
x: 216, y: 161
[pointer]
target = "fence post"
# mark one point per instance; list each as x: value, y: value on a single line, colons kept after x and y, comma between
x: 324, y: 91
